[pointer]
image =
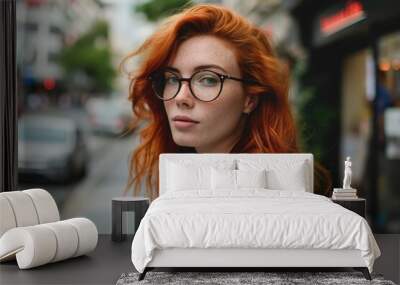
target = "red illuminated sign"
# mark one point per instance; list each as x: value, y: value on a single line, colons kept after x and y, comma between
x: 49, y: 84
x: 35, y: 2
x: 350, y: 14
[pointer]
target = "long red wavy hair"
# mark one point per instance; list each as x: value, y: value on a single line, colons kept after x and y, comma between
x: 271, y: 127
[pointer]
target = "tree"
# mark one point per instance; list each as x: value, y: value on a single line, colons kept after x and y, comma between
x: 88, y: 62
x: 157, y: 9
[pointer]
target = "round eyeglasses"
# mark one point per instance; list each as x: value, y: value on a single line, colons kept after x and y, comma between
x: 205, y: 85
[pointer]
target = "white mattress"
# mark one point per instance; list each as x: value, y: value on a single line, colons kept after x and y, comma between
x: 252, y: 218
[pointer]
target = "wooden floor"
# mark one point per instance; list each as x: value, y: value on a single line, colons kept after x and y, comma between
x: 111, y: 259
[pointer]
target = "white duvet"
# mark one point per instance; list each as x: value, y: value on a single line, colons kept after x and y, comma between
x: 251, y: 218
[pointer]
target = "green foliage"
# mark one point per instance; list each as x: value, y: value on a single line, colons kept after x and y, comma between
x: 90, y: 56
x: 316, y: 119
x: 157, y: 9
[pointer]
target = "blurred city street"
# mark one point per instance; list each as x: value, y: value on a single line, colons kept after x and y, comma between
x: 94, y: 92
x: 106, y: 178
x: 343, y: 58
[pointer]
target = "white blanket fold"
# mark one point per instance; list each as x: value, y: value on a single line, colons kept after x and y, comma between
x: 252, y: 218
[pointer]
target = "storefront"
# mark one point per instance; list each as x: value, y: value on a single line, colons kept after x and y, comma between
x: 354, y: 58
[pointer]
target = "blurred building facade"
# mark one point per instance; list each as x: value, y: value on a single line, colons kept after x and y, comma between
x: 44, y: 28
x: 128, y: 29
x: 41, y: 27
x: 353, y: 52
x: 274, y: 18
x: 346, y: 54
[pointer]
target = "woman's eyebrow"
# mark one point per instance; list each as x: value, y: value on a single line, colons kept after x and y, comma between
x: 200, y: 67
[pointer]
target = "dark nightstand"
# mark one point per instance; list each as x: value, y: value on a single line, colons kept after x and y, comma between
x: 356, y: 205
x: 138, y: 205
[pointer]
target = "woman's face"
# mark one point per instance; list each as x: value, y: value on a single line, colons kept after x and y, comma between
x: 219, y: 122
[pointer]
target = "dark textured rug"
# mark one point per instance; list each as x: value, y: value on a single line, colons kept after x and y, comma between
x: 229, y: 278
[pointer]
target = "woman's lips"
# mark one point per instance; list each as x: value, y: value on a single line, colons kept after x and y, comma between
x: 183, y: 124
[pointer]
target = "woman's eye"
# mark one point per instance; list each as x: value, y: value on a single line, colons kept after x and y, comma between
x: 171, y: 80
x: 208, y: 81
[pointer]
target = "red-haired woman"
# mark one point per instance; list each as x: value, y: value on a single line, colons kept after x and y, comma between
x: 209, y: 82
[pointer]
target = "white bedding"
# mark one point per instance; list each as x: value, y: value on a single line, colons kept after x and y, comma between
x: 250, y: 218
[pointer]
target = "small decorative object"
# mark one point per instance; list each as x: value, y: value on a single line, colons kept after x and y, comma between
x: 347, y: 192
x: 347, y: 174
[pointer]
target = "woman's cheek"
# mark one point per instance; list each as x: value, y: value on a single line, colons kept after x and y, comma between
x: 167, y: 107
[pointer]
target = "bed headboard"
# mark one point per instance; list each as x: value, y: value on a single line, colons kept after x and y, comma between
x: 274, y: 159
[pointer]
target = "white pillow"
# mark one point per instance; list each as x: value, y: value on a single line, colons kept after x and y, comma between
x: 182, y: 178
x: 223, y: 179
x: 295, y: 179
x: 281, y: 175
x: 236, y: 179
x: 185, y: 175
x: 251, y: 178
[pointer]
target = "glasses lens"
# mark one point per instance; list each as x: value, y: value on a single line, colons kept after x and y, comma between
x: 206, y: 85
x: 165, y: 84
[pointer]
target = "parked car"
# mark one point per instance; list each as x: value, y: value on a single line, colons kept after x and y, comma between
x: 109, y: 116
x: 53, y: 147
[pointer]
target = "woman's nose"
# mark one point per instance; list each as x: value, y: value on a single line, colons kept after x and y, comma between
x: 184, y: 96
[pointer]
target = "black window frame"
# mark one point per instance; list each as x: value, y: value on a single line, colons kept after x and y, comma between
x: 8, y: 97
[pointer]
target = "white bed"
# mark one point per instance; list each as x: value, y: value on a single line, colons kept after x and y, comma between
x: 279, y: 224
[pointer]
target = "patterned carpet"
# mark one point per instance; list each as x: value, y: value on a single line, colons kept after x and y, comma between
x: 242, y: 278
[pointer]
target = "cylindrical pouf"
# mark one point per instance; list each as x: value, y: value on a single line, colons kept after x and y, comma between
x: 33, y: 246
x: 45, y: 205
x: 23, y: 208
x: 7, y: 218
x: 67, y: 239
x: 40, y: 244
x: 87, y: 233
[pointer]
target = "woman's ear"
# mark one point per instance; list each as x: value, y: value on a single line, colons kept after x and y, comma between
x: 250, y: 103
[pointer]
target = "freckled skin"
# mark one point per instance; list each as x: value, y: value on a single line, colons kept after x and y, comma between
x: 222, y: 120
